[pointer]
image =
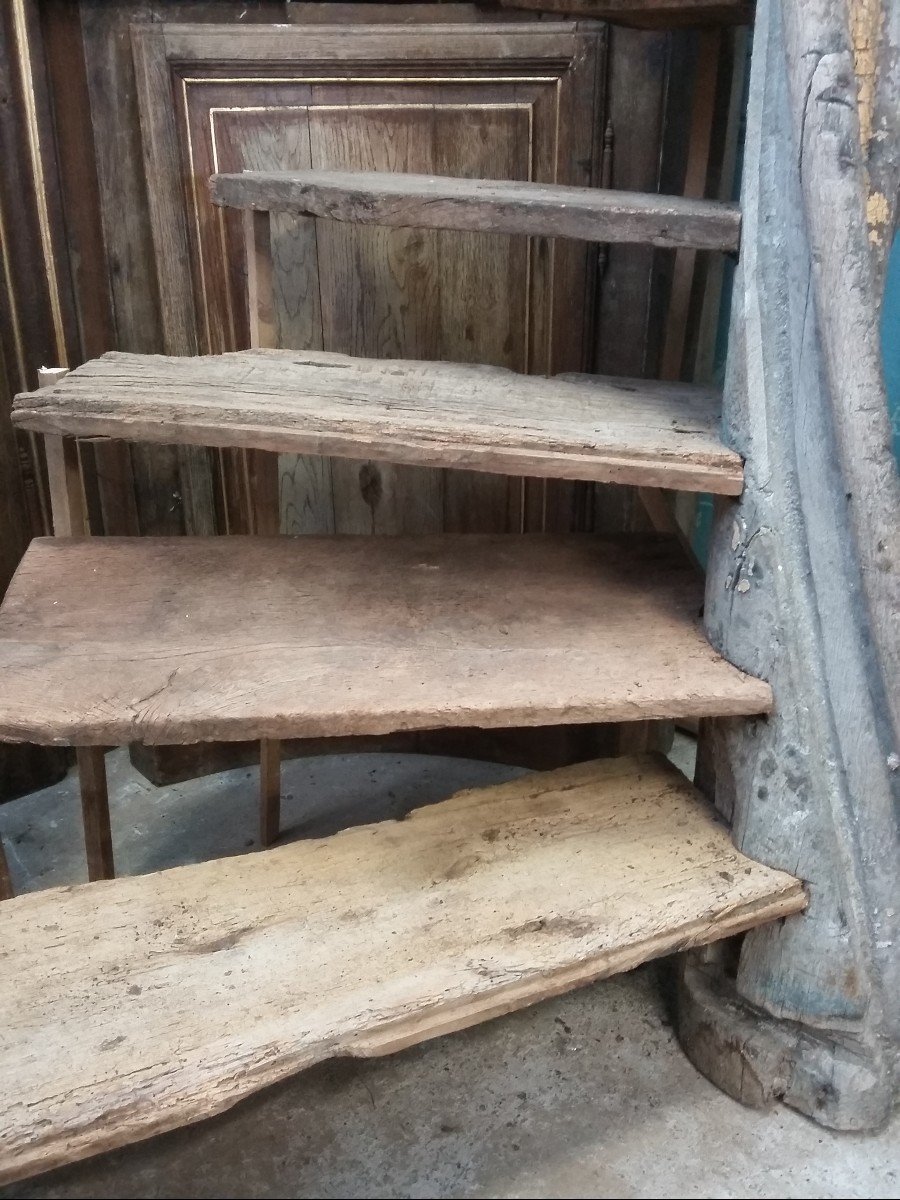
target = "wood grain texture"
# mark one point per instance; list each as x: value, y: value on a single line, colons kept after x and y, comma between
x: 169, y: 640
x: 647, y: 14
x: 213, y: 981
x: 488, y: 206
x: 812, y: 789
x: 437, y: 414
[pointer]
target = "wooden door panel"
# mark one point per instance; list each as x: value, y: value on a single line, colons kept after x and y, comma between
x: 462, y: 100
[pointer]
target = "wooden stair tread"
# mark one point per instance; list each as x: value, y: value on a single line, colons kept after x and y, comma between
x: 486, y: 205
x: 167, y: 640
x: 140, y: 1004
x: 432, y: 414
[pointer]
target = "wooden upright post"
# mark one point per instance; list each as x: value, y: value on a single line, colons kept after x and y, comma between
x: 95, y: 812
x: 6, y: 887
x: 67, y: 505
x: 262, y: 465
x: 262, y: 476
x: 269, y: 791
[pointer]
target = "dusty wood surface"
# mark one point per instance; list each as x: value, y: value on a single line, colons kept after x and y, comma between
x: 490, y: 206
x: 142, y: 1004
x: 439, y: 414
x: 113, y: 640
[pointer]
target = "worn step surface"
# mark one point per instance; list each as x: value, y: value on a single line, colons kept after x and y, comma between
x: 432, y: 414
x: 112, y: 640
x: 486, y: 205
x: 137, y: 1005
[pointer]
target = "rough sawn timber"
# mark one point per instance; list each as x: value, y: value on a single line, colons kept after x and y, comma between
x: 137, y: 1005
x: 111, y: 640
x: 423, y: 413
x: 486, y: 205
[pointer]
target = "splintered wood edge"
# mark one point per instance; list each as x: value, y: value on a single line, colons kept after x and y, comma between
x: 393, y: 1036
x: 514, y: 207
x: 721, y: 479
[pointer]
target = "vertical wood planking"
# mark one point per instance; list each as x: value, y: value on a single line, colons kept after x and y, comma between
x: 129, y: 265
x: 106, y: 465
x: 702, y: 112
x: 95, y: 812
x: 261, y: 140
x: 380, y: 298
x: 159, y: 139
x: 483, y: 301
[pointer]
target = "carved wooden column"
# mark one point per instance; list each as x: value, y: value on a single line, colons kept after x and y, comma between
x: 803, y: 590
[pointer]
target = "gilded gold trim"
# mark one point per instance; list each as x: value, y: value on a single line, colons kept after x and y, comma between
x: 196, y: 202
x: 302, y: 79
x: 23, y: 55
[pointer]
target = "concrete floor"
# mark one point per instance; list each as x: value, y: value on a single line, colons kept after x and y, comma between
x: 587, y: 1095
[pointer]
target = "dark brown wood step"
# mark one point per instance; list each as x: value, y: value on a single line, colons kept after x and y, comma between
x: 430, y: 414
x: 111, y: 640
x: 647, y: 14
x: 486, y: 205
x: 137, y: 1005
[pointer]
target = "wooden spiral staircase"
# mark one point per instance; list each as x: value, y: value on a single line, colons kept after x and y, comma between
x: 169, y: 996
x: 137, y: 1005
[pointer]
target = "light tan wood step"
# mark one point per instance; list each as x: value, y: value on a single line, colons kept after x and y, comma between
x: 486, y: 205
x: 433, y: 414
x: 137, y: 1005
x: 112, y: 640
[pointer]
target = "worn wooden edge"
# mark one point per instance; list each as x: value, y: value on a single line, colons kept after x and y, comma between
x: 129, y: 1124
x: 755, y: 700
x: 490, y: 206
x: 728, y: 693
x: 394, y: 1036
x: 552, y: 42
x: 707, y: 467
x: 726, y: 479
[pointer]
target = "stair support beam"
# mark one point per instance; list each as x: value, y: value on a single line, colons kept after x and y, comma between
x: 812, y: 1014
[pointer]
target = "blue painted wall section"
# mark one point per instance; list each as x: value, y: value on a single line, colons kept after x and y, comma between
x: 890, y: 340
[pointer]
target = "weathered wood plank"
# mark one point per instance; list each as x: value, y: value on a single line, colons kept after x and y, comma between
x: 112, y: 640
x: 213, y: 981
x: 490, y: 206
x: 437, y: 414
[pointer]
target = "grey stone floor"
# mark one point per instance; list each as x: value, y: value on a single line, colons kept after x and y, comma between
x: 587, y: 1095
